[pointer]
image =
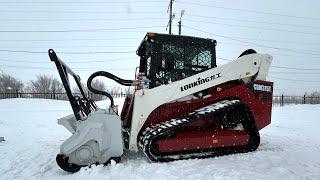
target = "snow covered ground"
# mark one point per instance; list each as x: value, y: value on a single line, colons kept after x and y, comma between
x: 290, y: 148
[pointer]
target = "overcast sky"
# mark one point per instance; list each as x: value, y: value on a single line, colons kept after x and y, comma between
x: 286, y: 29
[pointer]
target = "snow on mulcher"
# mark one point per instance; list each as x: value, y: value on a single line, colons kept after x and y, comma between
x: 183, y: 106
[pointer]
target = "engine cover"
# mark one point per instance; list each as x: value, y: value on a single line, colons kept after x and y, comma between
x: 94, y: 140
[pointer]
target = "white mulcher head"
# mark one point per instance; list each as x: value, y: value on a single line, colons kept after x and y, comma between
x: 97, y: 139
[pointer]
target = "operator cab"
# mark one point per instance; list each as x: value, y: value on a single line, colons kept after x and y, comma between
x: 167, y: 58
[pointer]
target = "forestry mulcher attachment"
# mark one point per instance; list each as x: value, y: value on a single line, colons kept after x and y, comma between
x: 184, y: 106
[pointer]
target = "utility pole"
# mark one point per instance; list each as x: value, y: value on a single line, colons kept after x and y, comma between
x: 170, y: 16
x: 179, y: 23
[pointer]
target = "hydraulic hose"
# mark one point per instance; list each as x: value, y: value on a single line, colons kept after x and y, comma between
x: 110, y: 76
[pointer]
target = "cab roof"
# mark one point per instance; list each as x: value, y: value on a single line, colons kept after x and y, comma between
x: 151, y: 37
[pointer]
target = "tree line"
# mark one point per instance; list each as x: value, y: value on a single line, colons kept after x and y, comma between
x: 45, y: 86
x: 50, y: 85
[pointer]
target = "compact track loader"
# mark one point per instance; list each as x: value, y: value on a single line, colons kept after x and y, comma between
x: 184, y: 106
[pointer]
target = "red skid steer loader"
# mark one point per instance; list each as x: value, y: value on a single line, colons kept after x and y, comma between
x: 184, y: 106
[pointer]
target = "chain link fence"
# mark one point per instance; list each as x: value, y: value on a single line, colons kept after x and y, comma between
x: 279, y: 100
x: 57, y: 96
x: 287, y: 100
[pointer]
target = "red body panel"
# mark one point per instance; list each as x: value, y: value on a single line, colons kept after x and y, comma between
x: 203, y: 139
x: 259, y: 102
x: 257, y: 95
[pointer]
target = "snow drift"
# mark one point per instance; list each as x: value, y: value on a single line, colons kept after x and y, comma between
x: 289, y: 149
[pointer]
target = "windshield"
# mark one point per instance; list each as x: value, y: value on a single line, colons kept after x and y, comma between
x: 169, y: 58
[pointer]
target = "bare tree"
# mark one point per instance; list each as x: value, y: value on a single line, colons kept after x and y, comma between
x: 10, y: 84
x: 99, y: 85
x: 56, y: 86
x: 315, y: 94
x: 128, y: 90
x: 115, y: 90
x: 96, y: 84
x: 44, y: 84
x: 77, y: 90
x: 314, y: 97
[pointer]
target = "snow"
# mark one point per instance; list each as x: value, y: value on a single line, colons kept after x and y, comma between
x: 289, y: 148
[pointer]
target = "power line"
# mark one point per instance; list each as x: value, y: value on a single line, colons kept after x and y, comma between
x: 253, y: 43
x: 224, y: 59
x: 123, y: 69
x: 77, y: 62
x: 77, y: 30
x: 295, y: 72
x: 84, y: 69
x: 81, y: 12
x: 75, y: 46
x: 277, y: 41
x: 90, y: 52
x: 253, y: 21
x: 254, y: 27
x: 277, y: 54
x: 249, y: 11
x: 75, y: 39
x: 79, y: 3
x: 298, y: 56
x: 76, y: 2
x: 294, y: 68
x: 92, y: 19
x: 153, y: 19
x: 53, y: 68
x: 299, y: 80
x: 126, y: 39
x: 281, y: 67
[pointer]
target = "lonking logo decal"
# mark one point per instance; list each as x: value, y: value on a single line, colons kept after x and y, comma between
x: 200, y: 81
x: 260, y: 87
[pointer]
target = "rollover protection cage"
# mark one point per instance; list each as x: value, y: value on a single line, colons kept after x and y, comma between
x: 167, y: 58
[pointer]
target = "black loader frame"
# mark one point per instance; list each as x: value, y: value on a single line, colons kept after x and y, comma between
x: 81, y: 106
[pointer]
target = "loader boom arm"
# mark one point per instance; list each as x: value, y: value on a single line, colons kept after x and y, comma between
x: 80, y: 106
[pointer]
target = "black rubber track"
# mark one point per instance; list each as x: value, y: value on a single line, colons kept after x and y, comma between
x: 149, y: 137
